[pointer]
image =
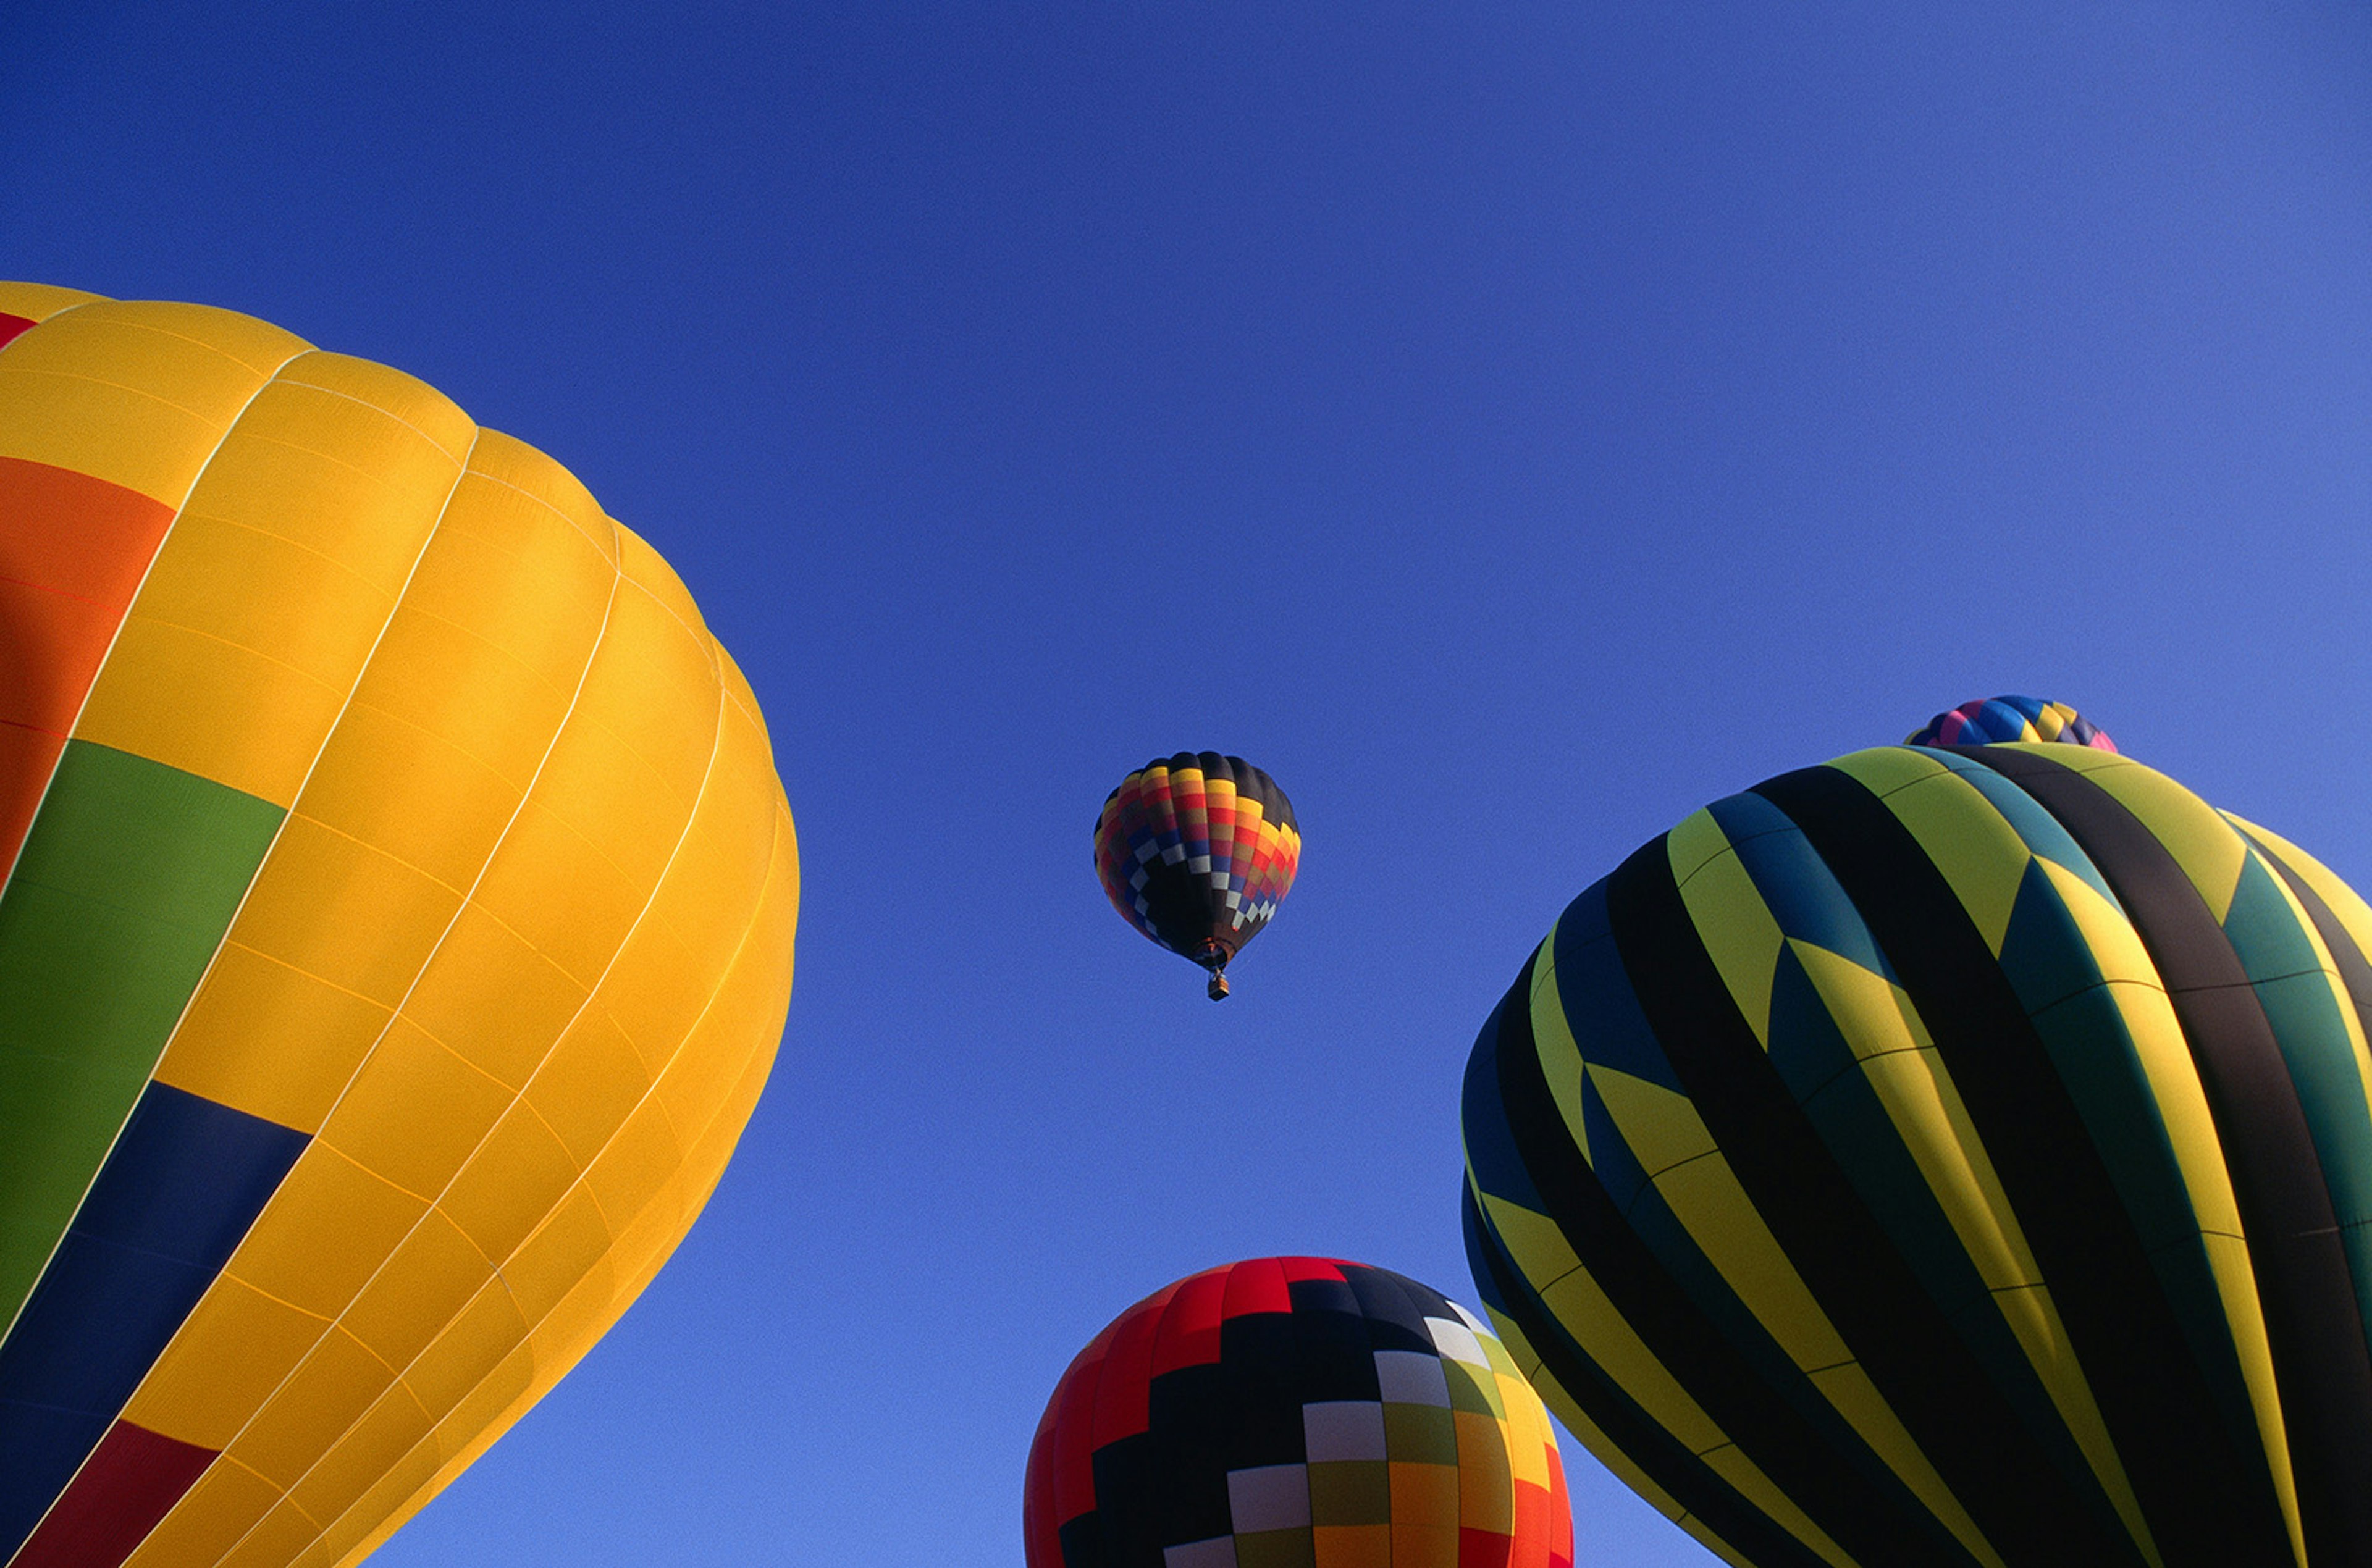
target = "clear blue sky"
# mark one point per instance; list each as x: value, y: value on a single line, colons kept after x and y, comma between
x: 1512, y: 426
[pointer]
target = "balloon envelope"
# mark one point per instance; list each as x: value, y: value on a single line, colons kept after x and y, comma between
x: 1948, y: 1157
x: 1295, y: 1411
x: 1196, y: 850
x: 1991, y: 720
x: 396, y: 933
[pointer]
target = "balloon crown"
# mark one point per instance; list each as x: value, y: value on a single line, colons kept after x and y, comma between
x: 1990, y: 720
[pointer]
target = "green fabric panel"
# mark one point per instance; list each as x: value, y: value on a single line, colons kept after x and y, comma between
x: 127, y: 881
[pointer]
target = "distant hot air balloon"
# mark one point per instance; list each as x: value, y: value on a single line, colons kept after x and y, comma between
x: 1196, y: 850
x: 1949, y: 1157
x: 396, y: 933
x: 1295, y: 1411
x: 1989, y: 720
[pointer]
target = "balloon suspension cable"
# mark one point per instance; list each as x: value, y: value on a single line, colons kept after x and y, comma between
x: 1214, y: 956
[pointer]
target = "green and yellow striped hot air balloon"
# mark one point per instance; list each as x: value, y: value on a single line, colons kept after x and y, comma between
x: 396, y: 935
x: 1949, y: 1156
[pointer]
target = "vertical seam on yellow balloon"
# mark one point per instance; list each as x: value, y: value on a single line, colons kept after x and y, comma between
x: 446, y: 1471
x: 163, y: 540
x: 216, y: 956
x: 617, y: 575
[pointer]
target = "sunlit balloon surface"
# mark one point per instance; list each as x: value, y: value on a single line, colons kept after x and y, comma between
x: 396, y: 932
x: 1295, y: 1411
x: 1949, y: 1156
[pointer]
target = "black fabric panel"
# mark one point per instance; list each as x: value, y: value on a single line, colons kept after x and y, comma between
x: 1724, y: 1515
x: 1881, y: 1527
x: 2208, y: 1501
x: 1921, y: 1368
x: 2312, y: 1315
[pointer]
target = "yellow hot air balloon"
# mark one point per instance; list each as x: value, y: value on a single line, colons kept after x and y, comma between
x: 396, y: 935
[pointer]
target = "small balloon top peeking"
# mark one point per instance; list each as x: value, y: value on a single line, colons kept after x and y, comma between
x: 1196, y: 850
x: 1989, y: 720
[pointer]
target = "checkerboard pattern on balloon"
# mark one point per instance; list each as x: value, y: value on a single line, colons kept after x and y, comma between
x: 1194, y: 846
x: 1295, y: 1411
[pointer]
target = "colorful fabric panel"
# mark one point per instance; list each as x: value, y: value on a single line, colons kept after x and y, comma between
x: 396, y: 930
x: 1295, y: 1411
x: 1948, y: 1157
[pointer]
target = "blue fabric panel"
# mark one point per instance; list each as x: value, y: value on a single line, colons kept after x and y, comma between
x: 182, y: 1185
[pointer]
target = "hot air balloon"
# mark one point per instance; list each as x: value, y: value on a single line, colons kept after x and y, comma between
x: 396, y: 933
x: 1949, y: 1156
x: 1295, y: 1411
x: 1990, y: 719
x: 1196, y: 850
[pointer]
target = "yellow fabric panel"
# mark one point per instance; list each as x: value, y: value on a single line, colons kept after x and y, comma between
x: 1886, y: 769
x: 566, y: 1248
x: 588, y: 1086
x: 512, y: 463
x: 466, y: 1432
x: 234, y: 1350
x: 516, y: 1177
x: 1911, y: 1083
x: 2354, y: 915
x: 1350, y: 1546
x: 1425, y: 1495
x: 415, y: 1112
x: 2159, y: 1044
x: 2034, y: 1318
x: 275, y: 1540
x: 354, y: 1535
x: 391, y: 1428
x: 1849, y: 1390
x: 135, y: 393
x: 1697, y: 839
x: 1562, y: 1065
x: 1421, y: 1545
x: 1528, y: 1439
x: 2339, y: 1001
x: 497, y: 1002
x: 1973, y: 846
x: 2209, y: 850
x: 1486, y: 1492
x: 532, y: 591
x: 269, y: 1039
x: 637, y: 1163
x: 1580, y: 1305
x: 324, y: 1233
x: 1711, y: 1206
x: 1737, y: 929
x: 211, y: 1517
x: 472, y: 1348
x: 252, y: 627
x: 644, y: 566
x: 737, y: 692
x: 322, y: 1398
x: 2235, y: 1282
x: 580, y: 933
x: 418, y: 799
x: 1660, y: 1126
x: 1534, y: 1242
x: 1731, y: 1464
x: 428, y: 1281
x: 662, y: 700
x: 445, y: 679
x: 385, y: 390
x: 40, y: 301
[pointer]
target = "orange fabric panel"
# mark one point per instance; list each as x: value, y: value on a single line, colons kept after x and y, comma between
x: 72, y: 549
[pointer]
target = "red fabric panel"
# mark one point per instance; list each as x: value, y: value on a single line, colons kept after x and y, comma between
x: 1189, y: 1327
x: 1310, y: 1269
x: 130, y: 1482
x: 1256, y: 1285
x: 1124, y: 1388
x: 72, y: 549
x: 11, y: 325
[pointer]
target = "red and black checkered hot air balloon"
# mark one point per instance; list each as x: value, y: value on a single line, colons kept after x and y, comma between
x: 1295, y: 1411
x: 1196, y: 850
